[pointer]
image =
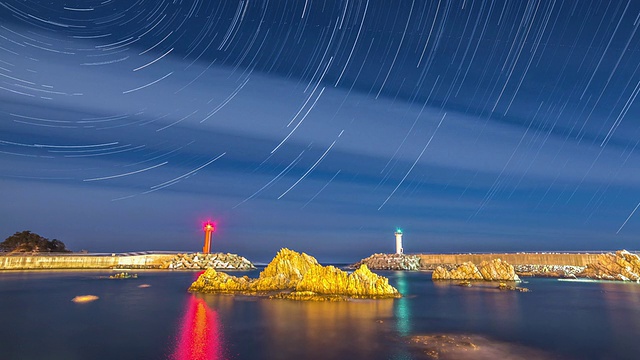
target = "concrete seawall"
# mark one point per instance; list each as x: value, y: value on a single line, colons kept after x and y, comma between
x: 573, y: 259
x: 44, y: 262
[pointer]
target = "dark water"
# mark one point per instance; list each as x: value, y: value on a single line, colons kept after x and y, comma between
x: 567, y: 320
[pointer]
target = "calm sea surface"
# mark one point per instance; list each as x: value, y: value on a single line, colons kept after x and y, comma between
x: 565, y: 320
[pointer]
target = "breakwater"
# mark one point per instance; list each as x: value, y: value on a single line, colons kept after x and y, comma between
x: 431, y: 261
x: 82, y: 261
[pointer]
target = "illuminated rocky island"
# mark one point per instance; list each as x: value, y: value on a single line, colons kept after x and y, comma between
x: 298, y: 276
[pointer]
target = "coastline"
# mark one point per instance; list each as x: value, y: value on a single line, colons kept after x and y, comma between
x: 156, y: 260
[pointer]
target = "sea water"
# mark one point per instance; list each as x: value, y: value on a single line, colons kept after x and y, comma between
x: 154, y: 317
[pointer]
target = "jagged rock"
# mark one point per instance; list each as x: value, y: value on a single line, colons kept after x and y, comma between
x: 330, y: 280
x: 494, y: 270
x: 214, y: 281
x: 390, y: 262
x: 621, y: 266
x: 285, y: 271
x: 466, y: 271
x: 497, y: 269
x: 299, y: 276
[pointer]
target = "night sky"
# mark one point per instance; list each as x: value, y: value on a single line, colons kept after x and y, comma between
x: 321, y: 125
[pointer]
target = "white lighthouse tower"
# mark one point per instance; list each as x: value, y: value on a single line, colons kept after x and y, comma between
x: 399, y: 249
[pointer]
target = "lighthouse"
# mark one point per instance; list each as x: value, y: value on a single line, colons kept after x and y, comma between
x: 399, y: 249
x: 208, y: 229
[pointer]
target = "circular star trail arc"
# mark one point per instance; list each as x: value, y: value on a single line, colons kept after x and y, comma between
x: 145, y: 97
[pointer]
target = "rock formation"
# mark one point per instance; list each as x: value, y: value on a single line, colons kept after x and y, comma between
x: 390, y: 262
x: 285, y: 271
x: 494, y: 270
x: 298, y: 276
x: 622, y: 265
x: 466, y: 271
x: 199, y: 261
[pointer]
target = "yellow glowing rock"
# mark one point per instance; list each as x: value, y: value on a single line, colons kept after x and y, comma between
x: 497, y: 269
x: 466, y: 271
x: 302, y: 273
x: 215, y: 281
x: 494, y: 270
x: 622, y: 265
x: 285, y: 271
x: 84, y: 298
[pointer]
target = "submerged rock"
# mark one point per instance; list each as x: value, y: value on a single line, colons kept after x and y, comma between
x: 621, y: 266
x: 298, y: 276
x: 494, y: 270
x: 505, y: 286
x: 472, y: 347
x: 123, y: 275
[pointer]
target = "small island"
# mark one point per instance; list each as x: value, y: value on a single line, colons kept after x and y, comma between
x: 298, y: 276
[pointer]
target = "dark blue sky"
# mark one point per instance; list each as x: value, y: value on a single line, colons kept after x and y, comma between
x: 321, y: 125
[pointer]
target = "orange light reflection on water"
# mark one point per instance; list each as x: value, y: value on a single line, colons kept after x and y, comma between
x: 200, y: 337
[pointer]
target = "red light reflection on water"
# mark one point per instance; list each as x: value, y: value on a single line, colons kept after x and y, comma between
x: 200, y: 337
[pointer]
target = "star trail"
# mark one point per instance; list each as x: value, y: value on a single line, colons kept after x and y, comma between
x: 321, y: 125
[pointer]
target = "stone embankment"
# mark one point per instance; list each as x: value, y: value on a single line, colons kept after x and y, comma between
x: 554, y: 271
x: 298, y: 276
x: 494, y: 270
x: 82, y: 261
x: 390, y: 262
x: 199, y: 261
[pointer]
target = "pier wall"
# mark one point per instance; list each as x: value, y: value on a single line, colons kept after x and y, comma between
x: 44, y: 262
x: 573, y: 259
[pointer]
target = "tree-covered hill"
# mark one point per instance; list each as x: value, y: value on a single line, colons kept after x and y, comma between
x: 26, y: 241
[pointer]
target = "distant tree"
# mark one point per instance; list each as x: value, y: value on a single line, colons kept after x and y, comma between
x: 27, y: 241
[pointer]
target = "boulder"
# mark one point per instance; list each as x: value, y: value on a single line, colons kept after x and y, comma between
x: 621, y: 266
x: 215, y: 281
x: 466, y: 271
x: 497, y: 269
x: 494, y: 270
x: 298, y: 276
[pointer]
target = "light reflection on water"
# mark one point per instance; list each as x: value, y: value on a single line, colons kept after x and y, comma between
x: 621, y: 299
x: 570, y: 320
x: 200, y: 335
x: 328, y: 330
x: 402, y: 307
